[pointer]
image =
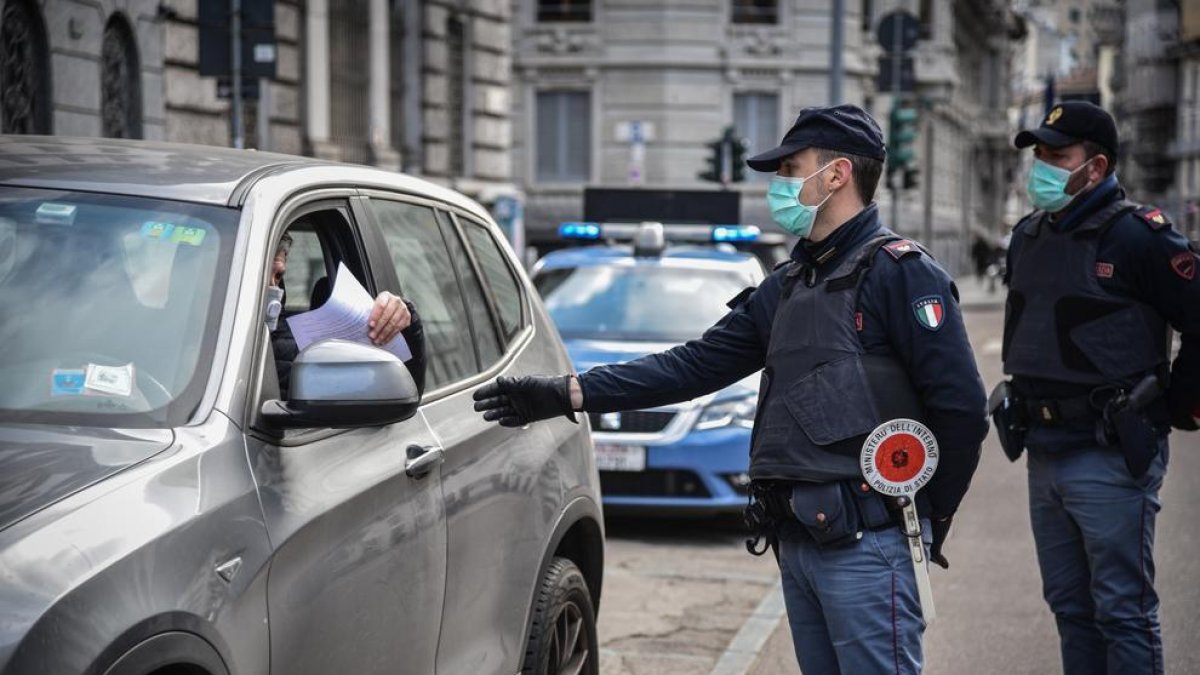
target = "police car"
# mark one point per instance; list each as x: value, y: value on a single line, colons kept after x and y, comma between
x: 614, y: 302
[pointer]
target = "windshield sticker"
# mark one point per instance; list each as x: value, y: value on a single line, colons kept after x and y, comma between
x: 188, y: 235
x: 115, y: 380
x: 155, y: 230
x: 50, y: 213
x: 66, y: 382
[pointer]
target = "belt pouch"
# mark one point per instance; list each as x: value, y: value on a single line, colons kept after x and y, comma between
x: 840, y: 524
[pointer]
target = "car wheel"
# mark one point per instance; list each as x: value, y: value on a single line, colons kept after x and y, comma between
x: 562, y: 639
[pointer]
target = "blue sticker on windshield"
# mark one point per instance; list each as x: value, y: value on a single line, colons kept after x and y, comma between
x: 156, y: 230
x: 67, y: 382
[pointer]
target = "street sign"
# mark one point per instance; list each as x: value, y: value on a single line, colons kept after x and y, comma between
x: 898, y: 31
x: 258, y: 38
x: 887, y: 69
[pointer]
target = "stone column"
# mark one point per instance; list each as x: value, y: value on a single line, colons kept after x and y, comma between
x: 379, y: 120
x: 316, y: 65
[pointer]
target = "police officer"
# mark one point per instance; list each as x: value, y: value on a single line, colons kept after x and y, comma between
x: 860, y: 326
x: 1094, y: 281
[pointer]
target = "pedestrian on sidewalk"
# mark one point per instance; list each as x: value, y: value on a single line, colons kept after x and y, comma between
x: 1095, y: 282
x: 860, y: 326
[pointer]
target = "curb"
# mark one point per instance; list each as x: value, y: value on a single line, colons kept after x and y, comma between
x: 743, y: 650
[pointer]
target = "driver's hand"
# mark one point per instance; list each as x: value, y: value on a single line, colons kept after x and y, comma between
x: 388, y: 317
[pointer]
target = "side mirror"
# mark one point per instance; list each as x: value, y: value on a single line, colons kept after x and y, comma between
x: 342, y: 384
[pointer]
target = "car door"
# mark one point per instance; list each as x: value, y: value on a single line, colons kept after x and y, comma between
x: 504, y: 488
x: 358, y: 573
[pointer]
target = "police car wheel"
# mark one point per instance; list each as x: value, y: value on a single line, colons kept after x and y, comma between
x: 562, y: 638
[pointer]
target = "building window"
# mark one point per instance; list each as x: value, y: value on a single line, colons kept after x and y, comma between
x: 455, y: 83
x: 24, y: 70
x: 755, y: 11
x: 756, y: 119
x: 564, y: 135
x: 120, y: 82
x: 564, y: 10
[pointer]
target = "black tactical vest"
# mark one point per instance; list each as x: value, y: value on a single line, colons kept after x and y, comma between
x: 820, y: 394
x: 1061, y: 325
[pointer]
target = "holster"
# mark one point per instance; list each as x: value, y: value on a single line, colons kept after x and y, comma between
x: 1133, y: 433
x: 1123, y: 422
x: 1009, y: 416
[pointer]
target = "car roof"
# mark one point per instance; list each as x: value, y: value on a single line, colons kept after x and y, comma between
x: 193, y: 173
x: 690, y: 257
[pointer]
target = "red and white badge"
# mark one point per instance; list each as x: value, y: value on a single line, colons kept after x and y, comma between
x: 899, y: 457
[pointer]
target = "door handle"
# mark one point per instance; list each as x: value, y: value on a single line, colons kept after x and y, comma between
x: 422, y: 460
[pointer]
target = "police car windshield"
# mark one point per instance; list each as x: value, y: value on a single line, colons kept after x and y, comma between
x: 651, y: 303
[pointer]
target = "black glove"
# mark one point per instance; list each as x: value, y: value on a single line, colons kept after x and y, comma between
x: 517, y: 401
x: 940, y: 529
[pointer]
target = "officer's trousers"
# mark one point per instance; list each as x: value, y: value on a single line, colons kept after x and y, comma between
x: 853, y: 610
x: 1094, y: 529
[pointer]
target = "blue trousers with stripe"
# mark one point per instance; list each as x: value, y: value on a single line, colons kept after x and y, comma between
x: 1094, y: 529
x: 853, y: 610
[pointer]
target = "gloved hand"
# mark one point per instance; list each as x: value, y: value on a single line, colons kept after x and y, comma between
x: 1183, y: 411
x: 940, y: 529
x: 517, y: 401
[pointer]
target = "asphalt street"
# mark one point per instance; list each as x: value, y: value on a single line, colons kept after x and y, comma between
x: 685, y: 597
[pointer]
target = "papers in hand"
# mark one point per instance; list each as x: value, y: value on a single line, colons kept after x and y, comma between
x: 344, y: 315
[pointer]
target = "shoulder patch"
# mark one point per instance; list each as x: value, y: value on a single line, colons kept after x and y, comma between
x: 901, y: 248
x: 1184, y: 265
x: 929, y: 311
x: 1153, y: 217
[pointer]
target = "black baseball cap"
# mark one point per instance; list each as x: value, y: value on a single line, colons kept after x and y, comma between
x: 1072, y: 122
x: 845, y: 128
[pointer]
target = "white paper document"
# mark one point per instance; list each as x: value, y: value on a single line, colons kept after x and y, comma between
x: 344, y: 315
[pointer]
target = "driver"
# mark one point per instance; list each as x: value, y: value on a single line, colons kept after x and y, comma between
x: 390, y: 315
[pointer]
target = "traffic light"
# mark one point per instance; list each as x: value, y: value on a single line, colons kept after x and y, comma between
x: 738, y: 149
x: 902, y: 133
x: 714, y: 161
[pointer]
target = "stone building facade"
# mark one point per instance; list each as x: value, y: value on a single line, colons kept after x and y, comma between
x: 685, y: 69
x: 414, y: 85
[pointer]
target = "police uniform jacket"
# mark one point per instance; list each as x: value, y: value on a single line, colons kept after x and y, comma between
x: 1140, y: 259
x: 893, y: 319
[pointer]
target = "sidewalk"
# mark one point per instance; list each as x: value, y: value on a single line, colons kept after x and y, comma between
x: 976, y: 294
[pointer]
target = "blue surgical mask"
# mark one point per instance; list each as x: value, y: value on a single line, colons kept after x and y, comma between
x: 1047, y: 186
x: 783, y: 198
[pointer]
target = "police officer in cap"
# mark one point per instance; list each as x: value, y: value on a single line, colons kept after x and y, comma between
x: 1095, y: 281
x: 859, y: 327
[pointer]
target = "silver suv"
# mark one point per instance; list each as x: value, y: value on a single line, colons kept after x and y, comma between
x: 164, y: 508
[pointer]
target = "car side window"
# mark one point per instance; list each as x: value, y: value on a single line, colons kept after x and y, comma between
x: 498, y: 276
x: 305, y: 267
x: 422, y: 260
x: 487, y: 341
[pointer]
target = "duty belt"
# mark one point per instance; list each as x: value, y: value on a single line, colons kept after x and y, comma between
x: 1051, y: 412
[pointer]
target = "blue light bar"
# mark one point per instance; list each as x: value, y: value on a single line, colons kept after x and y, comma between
x: 579, y: 230
x: 735, y: 233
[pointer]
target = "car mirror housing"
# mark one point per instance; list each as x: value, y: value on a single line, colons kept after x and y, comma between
x: 342, y: 384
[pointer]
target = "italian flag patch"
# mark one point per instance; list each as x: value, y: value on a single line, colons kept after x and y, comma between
x: 930, y: 311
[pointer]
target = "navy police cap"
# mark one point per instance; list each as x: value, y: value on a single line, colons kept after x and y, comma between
x: 1071, y: 122
x: 844, y: 128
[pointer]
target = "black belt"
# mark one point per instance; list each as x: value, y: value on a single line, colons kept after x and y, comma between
x: 1054, y: 411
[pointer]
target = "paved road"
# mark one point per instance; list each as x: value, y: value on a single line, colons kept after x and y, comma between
x: 676, y: 594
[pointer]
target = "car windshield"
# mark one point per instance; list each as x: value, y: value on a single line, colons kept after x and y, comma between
x: 107, y: 306
x: 639, y: 302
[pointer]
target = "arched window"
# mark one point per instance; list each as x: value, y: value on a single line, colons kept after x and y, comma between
x: 24, y: 70
x: 120, y: 82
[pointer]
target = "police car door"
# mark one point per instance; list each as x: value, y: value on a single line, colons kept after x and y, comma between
x: 358, y: 572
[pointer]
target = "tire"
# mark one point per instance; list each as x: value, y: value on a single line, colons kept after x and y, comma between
x: 562, y: 636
